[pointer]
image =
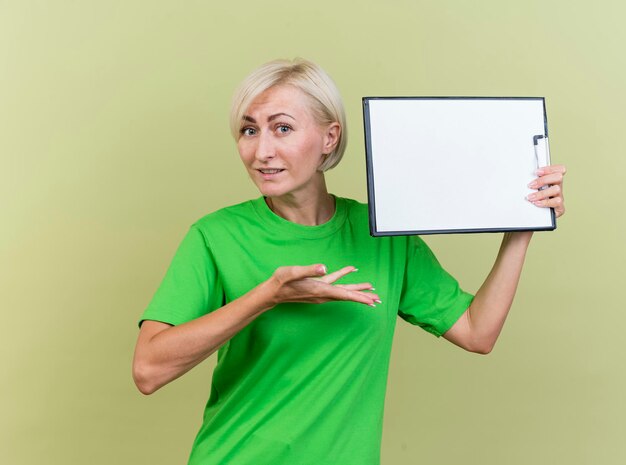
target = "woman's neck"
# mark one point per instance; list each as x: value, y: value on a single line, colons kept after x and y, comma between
x: 310, y: 209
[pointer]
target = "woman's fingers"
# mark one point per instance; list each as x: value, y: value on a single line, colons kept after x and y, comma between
x: 311, y: 284
x: 551, y: 191
x: 294, y: 273
x: 357, y: 287
x: 337, y: 275
x: 353, y: 292
x: 547, y: 180
x: 551, y: 196
x: 341, y: 293
x: 553, y: 202
x: 286, y: 274
x: 547, y: 175
x: 552, y: 169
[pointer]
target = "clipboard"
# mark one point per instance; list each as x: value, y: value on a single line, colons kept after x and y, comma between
x: 445, y: 165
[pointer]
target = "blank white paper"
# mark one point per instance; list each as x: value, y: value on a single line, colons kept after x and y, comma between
x: 454, y: 164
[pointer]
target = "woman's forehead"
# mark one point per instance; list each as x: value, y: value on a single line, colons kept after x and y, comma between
x: 280, y: 99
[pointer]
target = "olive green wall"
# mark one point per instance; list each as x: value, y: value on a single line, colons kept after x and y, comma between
x: 114, y: 139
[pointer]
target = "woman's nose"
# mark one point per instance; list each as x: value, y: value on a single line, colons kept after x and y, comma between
x: 265, y: 149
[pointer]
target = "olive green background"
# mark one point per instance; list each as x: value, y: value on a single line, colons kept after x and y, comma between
x: 114, y: 139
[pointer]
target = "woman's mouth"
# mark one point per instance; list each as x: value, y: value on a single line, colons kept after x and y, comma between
x: 270, y: 173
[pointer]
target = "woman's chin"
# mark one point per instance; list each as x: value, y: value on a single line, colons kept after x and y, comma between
x: 271, y: 191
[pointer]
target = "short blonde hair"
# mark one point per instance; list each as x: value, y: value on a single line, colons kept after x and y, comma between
x: 326, y: 102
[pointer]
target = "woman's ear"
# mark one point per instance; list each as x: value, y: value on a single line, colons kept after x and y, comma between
x: 331, y: 137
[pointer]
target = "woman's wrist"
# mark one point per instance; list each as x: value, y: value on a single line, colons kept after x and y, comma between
x: 517, y: 238
x: 263, y: 297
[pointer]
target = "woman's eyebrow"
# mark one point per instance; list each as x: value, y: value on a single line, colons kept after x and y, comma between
x: 279, y: 114
x: 270, y: 118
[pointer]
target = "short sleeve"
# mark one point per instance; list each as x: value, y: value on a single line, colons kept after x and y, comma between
x: 191, y: 286
x: 431, y: 298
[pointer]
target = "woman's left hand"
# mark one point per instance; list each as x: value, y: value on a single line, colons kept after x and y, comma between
x: 551, y: 196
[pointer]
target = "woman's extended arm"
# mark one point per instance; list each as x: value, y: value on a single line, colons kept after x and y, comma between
x: 479, y: 327
x: 164, y: 352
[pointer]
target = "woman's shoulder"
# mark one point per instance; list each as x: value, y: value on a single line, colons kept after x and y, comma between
x: 353, y: 206
x: 357, y: 211
x: 358, y: 215
x: 227, y: 216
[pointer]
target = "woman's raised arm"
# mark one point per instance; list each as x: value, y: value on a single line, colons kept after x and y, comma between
x: 479, y: 327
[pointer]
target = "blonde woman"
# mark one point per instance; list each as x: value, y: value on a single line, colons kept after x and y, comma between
x: 283, y: 287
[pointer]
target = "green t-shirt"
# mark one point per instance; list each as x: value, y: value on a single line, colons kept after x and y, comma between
x: 303, y: 383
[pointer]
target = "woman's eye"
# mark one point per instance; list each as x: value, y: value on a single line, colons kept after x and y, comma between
x: 248, y: 131
x: 283, y: 129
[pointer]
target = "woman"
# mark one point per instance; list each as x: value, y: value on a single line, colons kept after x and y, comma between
x: 304, y: 349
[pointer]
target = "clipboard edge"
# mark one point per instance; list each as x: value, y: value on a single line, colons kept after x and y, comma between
x: 428, y: 232
x: 371, y: 202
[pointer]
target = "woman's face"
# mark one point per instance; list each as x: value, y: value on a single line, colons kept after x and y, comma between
x: 282, y: 145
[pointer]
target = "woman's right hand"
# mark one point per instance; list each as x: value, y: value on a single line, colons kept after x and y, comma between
x: 311, y: 284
